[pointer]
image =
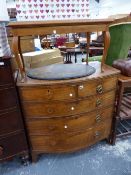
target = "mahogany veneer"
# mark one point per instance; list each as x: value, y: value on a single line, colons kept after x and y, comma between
x: 68, y: 115
x: 12, y: 135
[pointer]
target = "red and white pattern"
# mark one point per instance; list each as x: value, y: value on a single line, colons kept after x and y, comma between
x: 31, y: 10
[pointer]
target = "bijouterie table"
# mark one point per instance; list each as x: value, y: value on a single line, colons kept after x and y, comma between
x: 66, y: 115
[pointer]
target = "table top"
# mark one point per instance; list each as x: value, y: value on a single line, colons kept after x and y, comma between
x: 30, y: 24
x: 108, y: 71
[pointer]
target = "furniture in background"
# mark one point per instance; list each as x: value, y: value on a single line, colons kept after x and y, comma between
x: 120, y: 40
x: 123, y: 113
x: 12, y: 133
x: 120, y: 44
x: 42, y: 58
x: 27, y: 43
x: 70, y: 48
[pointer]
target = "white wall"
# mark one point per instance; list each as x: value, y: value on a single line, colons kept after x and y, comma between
x: 112, y: 7
x: 11, y: 4
x: 94, y: 9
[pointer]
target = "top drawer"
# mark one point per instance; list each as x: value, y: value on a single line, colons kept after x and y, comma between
x: 5, y: 73
x: 98, y: 86
x: 67, y: 92
x: 41, y: 93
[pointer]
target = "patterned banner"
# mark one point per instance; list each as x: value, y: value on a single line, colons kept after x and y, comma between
x: 31, y: 10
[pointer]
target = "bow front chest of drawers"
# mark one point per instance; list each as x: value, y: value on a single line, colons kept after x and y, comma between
x: 68, y: 115
x: 12, y: 135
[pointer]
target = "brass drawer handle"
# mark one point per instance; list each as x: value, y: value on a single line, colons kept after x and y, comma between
x: 1, y: 150
x: 98, y: 118
x: 98, y: 102
x: 97, y: 134
x: 81, y: 87
x: 99, y: 89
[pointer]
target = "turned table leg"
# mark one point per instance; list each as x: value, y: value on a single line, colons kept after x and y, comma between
x: 106, y: 35
x: 18, y: 55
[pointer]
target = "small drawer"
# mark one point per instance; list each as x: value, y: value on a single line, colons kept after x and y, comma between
x: 12, y: 145
x: 51, y: 126
x: 97, y: 87
x: 10, y: 122
x: 5, y: 73
x: 65, y: 109
x: 47, y: 93
x: 8, y: 98
x: 70, y: 142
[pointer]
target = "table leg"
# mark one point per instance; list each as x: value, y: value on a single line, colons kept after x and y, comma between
x: 18, y: 55
x: 106, y: 35
x: 75, y: 57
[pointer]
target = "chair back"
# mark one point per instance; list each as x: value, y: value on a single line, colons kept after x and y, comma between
x: 120, y: 42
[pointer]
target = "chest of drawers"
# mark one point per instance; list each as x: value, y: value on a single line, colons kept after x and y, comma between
x: 12, y: 135
x: 65, y: 116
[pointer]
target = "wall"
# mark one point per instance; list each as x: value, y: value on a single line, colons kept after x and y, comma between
x: 112, y: 7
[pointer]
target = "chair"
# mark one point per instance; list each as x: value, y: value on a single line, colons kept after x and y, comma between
x: 120, y: 42
x: 119, y: 47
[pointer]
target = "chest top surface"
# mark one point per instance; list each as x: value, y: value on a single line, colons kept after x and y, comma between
x: 108, y: 71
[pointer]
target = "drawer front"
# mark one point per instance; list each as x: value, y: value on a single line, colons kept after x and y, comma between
x: 97, y: 87
x: 65, y: 109
x: 68, y: 124
x: 10, y: 122
x: 71, y: 142
x: 12, y: 145
x: 5, y: 73
x: 8, y: 98
x: 42, y: 93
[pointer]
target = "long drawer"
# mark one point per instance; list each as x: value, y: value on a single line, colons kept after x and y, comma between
x: 47, y: 93
x: 10, y: 122
x: 8, y: 96
x: 12, y: 145
x: 63, y: 92
x: 51, y: 126
x: 40, y: 109
x: 70, y: 142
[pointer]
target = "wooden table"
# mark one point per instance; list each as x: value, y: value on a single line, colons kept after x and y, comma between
x: 19, y: 29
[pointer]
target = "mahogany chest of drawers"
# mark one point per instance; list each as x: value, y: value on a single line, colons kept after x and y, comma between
x: 12, y: 136
x: 68, y: 115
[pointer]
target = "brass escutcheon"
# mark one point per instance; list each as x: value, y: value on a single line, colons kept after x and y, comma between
x: 98, y: 102
x: 99, y: 89
x: 97, y: 134
x: 98, y: 118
